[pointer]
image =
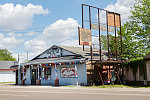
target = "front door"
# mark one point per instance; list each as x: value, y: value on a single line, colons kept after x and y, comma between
x: 16, y: 77
x: 33, y: 80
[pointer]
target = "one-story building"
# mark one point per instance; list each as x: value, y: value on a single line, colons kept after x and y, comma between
x: 147, y: 58
x: 54, y: 66
x: 7, y: 74
x: 68, y: 66
x: 139, y: 71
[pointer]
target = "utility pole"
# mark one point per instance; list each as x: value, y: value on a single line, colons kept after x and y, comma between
x: 19, y: 78
x: 27, y: 55
x: 18, y: 58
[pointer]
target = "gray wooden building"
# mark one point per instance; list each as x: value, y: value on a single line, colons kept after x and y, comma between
x: 56, y: 64
x: 7, y: 74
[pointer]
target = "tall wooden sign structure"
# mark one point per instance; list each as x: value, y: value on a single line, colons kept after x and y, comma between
x: 113, y: 23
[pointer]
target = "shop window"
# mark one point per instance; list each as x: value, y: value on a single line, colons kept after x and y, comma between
x: 47, y: 73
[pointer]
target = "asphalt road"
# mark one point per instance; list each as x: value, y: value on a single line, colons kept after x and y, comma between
x: 9, y: 92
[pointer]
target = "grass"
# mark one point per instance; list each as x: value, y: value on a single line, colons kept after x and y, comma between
x: 6, y: 82
x: 111, y: 86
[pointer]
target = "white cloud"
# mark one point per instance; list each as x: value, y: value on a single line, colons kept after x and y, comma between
x: 22, y: 56
x: 62, y: 32
x: 12, y: 34
x: 8, y: 41
x: 72, y: 42
x: 36, y: 46
x: 2, y: 36
x: 30, y: 33
x: 18, y: 17
x: 123, y: 7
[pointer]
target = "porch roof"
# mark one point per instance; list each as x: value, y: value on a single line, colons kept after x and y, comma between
x: 50, y: 60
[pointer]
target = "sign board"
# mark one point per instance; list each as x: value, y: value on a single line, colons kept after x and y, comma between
x: 110, y: 17
x: 102, y: 28
x: 85, y: 37
x: 94, y: 26
x: 117, y: 20
x: 113, y: 19
x: 110, y: 29
x: 68, y: 72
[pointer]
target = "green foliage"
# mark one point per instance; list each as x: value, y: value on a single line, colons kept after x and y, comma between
x: 5, y: 55
x: 104, y: 42
x: 136, y: 32
x: 140, y: 21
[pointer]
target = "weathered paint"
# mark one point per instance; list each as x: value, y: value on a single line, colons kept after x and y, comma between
x: 81, y: 71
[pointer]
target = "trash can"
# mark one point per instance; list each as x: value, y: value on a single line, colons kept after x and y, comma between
x: 38, y: 82
x: 22, y: 82
x: 56, y: 82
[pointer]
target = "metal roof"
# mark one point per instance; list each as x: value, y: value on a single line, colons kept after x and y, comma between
x: 7, y: 64
x: 86, y: 53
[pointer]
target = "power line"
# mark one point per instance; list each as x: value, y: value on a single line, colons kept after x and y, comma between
x: 40, y: 27
x: 50, y: 30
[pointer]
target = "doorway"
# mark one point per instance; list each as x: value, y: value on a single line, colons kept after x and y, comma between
x: 16, y: 77
x: 33, y: 80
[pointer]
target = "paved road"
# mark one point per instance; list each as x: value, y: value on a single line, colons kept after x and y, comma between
x: 9, y: 92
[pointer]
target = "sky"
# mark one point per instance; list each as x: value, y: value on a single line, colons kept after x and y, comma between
x: 35, y: 25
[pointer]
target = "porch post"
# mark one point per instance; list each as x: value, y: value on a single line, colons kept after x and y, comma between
x: 76, y: 73
x: 30, y: 74
x: 19, y: 75
x: 38, y: 75
x: 22, y: 81
x: 56, y: 71
x: 23, y: 72
x: 56, y: 80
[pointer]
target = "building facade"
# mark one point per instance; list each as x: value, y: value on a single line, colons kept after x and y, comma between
x: 7, y: 74
x: 54, y: 66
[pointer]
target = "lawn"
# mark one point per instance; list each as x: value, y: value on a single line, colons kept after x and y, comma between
x: 111, y: 86
x: 6, y: 82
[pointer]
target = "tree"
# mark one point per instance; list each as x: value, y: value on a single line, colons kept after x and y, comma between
x: 136, y: 32
x: 140, y: 21
x: 5, y: 55
x: 104, y: 42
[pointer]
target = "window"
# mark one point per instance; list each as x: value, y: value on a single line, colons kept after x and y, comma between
x: 47, y: 73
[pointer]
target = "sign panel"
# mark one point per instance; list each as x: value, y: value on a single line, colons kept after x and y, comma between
x: 68, y: 72
x: 85, y: 37
x: 110, y: 17
x: 117, y: 20
x: 102, y: 28
x: 94, y: 26
x: 110, y: 29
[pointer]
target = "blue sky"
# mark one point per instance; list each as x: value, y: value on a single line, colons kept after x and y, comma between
x: 35, y: 25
